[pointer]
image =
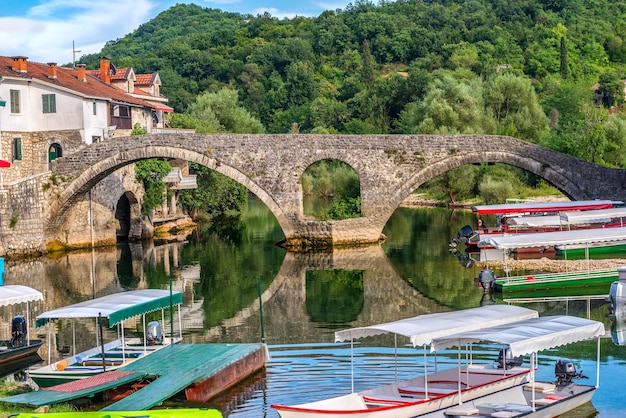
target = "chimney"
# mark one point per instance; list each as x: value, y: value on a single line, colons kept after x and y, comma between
x: 52, y: 70
x: 105, y: 68
x: 19, y: 64
x: 82, y: 72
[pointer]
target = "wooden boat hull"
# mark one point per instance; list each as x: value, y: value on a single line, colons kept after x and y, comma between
x: 89, y: 363
x: 227, y: 377
x: 10, y: 354
x: 156, y: 413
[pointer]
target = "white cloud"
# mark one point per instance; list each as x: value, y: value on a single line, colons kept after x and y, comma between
x: 46, y: 36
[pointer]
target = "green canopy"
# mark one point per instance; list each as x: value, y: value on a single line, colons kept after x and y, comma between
x: 116, y: 307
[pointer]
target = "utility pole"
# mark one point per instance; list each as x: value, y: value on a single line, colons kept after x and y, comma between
x: 74, y: 51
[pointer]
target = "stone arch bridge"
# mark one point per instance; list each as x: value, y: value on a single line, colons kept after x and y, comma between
x: 389, y: 167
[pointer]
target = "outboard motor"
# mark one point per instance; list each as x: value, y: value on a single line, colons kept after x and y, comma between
x: 464, y: 234
x: 565, y: 371
x: 506, y: 359
x: 154, y: 333
x: 18, y: 331
x: 487, y: 279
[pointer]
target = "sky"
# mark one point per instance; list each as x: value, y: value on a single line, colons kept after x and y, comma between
x: 63, y: 30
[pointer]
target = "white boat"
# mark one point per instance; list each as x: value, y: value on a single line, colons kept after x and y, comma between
x: 18, y: 345
x: 430, y: 391
x: 111, y: 355
x: 528, y: 217
x: 496, y: 395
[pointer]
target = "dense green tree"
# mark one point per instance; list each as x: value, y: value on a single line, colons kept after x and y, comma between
x: 216, y: 195
x: 449, y: 107
x: 220, y: 112
x: 513, y: 103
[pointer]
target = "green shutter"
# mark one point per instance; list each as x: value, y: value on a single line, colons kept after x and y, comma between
x: 17, y: 148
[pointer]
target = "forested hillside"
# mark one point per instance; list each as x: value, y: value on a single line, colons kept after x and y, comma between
x: 525, y: 68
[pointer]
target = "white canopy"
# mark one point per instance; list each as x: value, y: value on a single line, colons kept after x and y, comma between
x: 592, y: 216
x: 14, y: 294
x: 546, y: 239
x: 529, y: 336
x: 424, y: 328
x: 117, y: 307
x: 534, y: 221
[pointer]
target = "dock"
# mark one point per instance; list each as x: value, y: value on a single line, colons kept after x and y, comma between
x: 200, y: 370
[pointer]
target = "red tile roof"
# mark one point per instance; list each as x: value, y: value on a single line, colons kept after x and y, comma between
x: 144, y: 79
x: 68, y: 78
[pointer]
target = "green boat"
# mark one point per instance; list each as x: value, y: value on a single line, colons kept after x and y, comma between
x: 567, y: 284
x: 155, y: 413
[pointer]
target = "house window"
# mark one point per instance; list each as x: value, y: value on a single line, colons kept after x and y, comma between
x: 121, y: 111
x: 49, y: 103
x: 17, y: 149
x: 94, y: 108
x: 15, y: 101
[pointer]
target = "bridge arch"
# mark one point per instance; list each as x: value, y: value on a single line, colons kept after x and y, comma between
x: 103, y: 168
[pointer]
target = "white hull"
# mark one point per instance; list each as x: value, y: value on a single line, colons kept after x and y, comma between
x: 409, y: 398
x: 510, y: 402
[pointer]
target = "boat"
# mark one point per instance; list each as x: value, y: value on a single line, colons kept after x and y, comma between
x: 463, y: 398
x: 531, y: 217
x: 592, y: 281
x: 19, y: 345
x: 430, y: 391
x: 152, y: 413
x: 109, y: 356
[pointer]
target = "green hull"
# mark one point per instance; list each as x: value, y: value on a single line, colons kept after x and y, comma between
x: 563, y: 284
x: 580, y: 254
x: 156, y: 413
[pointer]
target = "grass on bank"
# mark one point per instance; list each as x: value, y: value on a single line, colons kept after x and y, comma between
x: 9, y: 389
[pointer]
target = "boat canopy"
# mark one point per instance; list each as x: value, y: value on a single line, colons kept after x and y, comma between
x: 593, y: 216
x: 529, y: 336
x: 561, y: 238
x: 117, y: 307
x: 15, y: 294
x: 544, y: 207
x: 534, y: 221
x: 424, y: 328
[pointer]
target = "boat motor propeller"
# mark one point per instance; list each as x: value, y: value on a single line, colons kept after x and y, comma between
x: 154, y: 333
x: 464, y: 235
x: 565, y: 371
x: 506, y: 359
x: 487, y: 280
x: 18, y: 331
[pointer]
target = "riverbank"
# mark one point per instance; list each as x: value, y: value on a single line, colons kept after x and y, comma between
x: 549, y: 266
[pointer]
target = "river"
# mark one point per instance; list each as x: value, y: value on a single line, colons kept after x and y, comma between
x: 306, y: 298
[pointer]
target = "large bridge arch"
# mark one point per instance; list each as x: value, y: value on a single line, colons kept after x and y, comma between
x: 389, y: 167
x: 101, y: 169
x: 556, y: 179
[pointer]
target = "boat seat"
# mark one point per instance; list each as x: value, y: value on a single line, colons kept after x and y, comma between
x: 541, y: 387
x: 417, y: 390
x: 547, y: 400
x: 505, y: 414
x: 461, y: 411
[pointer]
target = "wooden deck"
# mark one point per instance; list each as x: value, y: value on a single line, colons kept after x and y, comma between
x: 175, y: 368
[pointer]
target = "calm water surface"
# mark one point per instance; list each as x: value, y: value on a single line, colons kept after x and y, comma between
x: 306, y: 298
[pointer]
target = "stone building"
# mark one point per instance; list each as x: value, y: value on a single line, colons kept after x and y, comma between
x: 48, y: 111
